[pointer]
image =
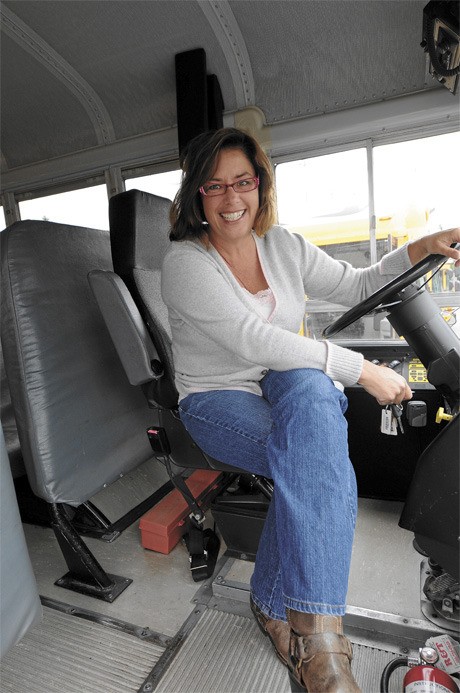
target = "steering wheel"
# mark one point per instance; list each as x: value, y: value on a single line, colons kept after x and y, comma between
x: 386, y: 293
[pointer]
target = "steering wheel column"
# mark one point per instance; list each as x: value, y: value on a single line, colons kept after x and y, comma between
x: 415, y: 315
x: 417, y: 318
x: 431, y: 510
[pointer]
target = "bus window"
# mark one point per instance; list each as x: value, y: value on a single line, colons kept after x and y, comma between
x: 412, y: 186
x: 325, y: 199
x: 164, y: 184
x: 410, y: 182
x: 83, y: 207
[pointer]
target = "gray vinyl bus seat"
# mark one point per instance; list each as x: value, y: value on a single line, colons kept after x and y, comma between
x: 139, y: 238
x: 20, y: 605
x: 143, y: 366
x: 133, y: 309
x: 80, y: 424
x: 134, y: 312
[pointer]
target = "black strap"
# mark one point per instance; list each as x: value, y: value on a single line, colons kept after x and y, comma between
x: 203, y: 546
x: 182, y: 487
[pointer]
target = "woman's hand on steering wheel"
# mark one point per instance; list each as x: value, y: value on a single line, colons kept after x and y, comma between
x: 384, y: 384
x: 435, y: 244
x: 386, y: 294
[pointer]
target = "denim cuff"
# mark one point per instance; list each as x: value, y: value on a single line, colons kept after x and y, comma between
x: 315, y: 607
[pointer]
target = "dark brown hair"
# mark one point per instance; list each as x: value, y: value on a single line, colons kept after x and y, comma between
x: 198, y: 165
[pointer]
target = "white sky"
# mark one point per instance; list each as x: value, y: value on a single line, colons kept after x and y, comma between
x: 407, y: 175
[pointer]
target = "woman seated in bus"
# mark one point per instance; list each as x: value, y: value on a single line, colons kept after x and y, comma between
x: 257, y: 395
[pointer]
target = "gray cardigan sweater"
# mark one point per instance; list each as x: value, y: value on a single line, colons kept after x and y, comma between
x: 220, y: 342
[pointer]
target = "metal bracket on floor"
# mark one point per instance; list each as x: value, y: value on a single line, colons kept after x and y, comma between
x: 85, y: 575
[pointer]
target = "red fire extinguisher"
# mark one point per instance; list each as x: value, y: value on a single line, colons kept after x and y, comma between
x: 423, y: 676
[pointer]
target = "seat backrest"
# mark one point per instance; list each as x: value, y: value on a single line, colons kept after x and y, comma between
x: 20, y: 604
x: 139, y: 237
x: 139, y: 234
x: 80, y: 423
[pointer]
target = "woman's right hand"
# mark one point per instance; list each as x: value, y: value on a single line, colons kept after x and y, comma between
x: 384, y: 384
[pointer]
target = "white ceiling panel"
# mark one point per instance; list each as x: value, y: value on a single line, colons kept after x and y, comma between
x: 305, y: 62
x: 80, y: 73
x: 40, y: 117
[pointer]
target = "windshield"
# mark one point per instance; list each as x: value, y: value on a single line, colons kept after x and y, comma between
x: 357, y: 206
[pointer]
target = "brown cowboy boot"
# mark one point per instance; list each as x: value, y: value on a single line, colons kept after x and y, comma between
x: 278, y: 631
x: 320, y: 654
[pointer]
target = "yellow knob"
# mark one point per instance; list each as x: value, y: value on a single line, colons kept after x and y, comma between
x: 442, y: 416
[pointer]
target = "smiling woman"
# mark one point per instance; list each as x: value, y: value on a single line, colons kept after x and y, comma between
x: 100, y: 102
x: 256, y: 395
x: 231, y: 215
x: 200, y: 167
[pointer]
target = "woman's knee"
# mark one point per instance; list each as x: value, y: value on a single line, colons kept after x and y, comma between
x: 308, y: 384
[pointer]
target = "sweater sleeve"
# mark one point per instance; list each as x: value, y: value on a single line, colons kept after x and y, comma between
x: 198, y: 294
x: 337, y: 281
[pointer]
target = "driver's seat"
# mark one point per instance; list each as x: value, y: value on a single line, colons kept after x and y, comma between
x: 137, y: 319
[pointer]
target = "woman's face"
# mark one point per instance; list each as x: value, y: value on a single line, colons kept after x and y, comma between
x: 231, y: 216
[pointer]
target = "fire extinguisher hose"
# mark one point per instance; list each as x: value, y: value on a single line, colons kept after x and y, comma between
x: 389, y: 669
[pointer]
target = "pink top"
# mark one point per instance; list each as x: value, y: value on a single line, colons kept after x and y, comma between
x: 264, y: 302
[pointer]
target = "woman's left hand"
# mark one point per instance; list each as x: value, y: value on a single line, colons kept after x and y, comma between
x: 435, y: 243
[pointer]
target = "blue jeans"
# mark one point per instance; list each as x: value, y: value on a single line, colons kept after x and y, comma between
x: 296, y: 434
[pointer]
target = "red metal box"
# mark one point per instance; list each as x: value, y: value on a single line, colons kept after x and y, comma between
x: 163, y: 526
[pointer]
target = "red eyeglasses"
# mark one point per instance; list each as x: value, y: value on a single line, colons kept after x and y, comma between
x: 241, y: 186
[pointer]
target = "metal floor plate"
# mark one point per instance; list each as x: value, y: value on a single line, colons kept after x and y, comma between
x: 218, y: 648
x: 227, y: 653
x: 66, y: 653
